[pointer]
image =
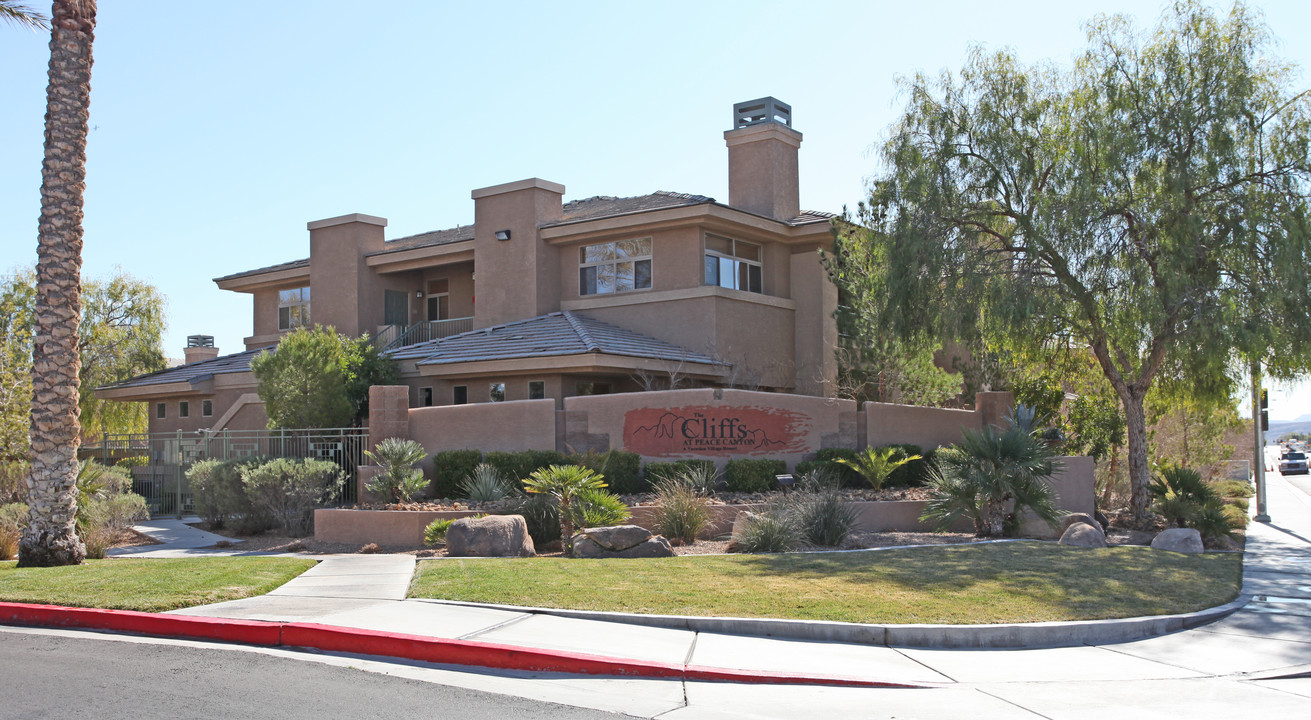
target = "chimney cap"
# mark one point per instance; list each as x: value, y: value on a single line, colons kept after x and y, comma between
x: 762, y: 110
x: 202, y: 341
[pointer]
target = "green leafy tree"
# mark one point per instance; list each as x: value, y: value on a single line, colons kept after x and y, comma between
x: 1148, y: 204
x: 50, y: 537
x: 120, y: 336
x: 564, y: 483
x: 318, y: 378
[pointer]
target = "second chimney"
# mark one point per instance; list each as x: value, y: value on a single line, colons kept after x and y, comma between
x: 762, y: 159
x: 199, y: 349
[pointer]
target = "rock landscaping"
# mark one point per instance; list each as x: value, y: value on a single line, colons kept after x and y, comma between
x: 491, y: 536
x: 622, y: 541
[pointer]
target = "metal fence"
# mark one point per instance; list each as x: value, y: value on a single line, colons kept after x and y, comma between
x: 160, y: 460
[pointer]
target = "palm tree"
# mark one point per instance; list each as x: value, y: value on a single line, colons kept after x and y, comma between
x: 23, y: 15
x: 876, y: 465
x: 564, y: 483
x: 51, y: 534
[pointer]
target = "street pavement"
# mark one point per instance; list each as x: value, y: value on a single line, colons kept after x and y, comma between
x: 1257, y: 657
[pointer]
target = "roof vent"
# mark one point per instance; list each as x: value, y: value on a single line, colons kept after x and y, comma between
x: 764, y: 110
x: 202, y: 341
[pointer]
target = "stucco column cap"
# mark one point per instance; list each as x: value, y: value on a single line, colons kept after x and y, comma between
x: 343, y: 219
x: 518, y: 185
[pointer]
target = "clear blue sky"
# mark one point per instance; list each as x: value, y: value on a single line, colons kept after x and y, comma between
x: 220, y: 130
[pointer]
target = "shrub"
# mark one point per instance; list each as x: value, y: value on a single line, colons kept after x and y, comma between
x: 13, y: 518
x: 1184, y: 499
x: 829, y: 457
x: 564, y: 483
x: 622, y: 469
x: 435, y: 533
x: 516, y: 466
x: 220, y: 497
x: 772, y: 531
x: 132, y: 461
x: 13, y: 481
x: 683, y: 510
x: 598, y: 508
x: 105, y: 516
x: 291, y: 489
x: 1233, y: 488
x: 542, y: 515
x: 203, y: 479
x: 914, y: 473
x: 449, y: 467
x: 484, y: 484
x: 752, y: 475
x: 822, y: 516
x: 876, y: 464
x: 657, y: 471
x: 399, y: 480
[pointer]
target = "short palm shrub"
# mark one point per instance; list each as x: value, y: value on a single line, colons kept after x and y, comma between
x: 399, y: 480
x: 598, y: 508
x: 485, y: 484
x: 291, y: 489
x: 989, y: 475
x: 13, y: 518
x: 828, y: 458
x: 683, y: 508
x: 822, y: 515
x: 752, y: 476
x: 773, y: 531
x: 435, y: 533
x: 449, y: 467
x: 877, y: 464
x: 563, y: 482
x: 1184, y: 499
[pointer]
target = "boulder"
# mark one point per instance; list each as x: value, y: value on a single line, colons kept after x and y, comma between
x: 618, y: 537
x: 1180, y: 540
x: 1074, y: 518
x: 739, y: 526
x: 1082, y: 534
x: 585, y: 546
x: 491, y: 536
x: 1102, y: 520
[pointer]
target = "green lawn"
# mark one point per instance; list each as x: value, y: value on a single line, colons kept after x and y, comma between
x: 147, y: 584
x: 990, y: 583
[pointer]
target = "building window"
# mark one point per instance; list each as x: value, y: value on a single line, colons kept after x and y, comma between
x: 536, y: 390
x: 184, y: 409
x: 293, y: 308
x: 732, y: 264
x: 161, y: 411
x: 439, y: 299
x: 425, y: 397
x: 460, y: 395
x: 206, y: 408
x: 496, y: 393
x: 614, y: 267
x: 592, y: 388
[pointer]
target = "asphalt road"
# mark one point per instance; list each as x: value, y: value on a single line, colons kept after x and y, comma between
x: 48, y: 676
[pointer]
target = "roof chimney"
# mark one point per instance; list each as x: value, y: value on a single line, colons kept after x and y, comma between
x: 199, y: 349
x: 762, y: 159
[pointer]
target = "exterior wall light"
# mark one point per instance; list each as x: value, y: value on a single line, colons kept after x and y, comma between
x: 502, y: 234
x: 419, y: 294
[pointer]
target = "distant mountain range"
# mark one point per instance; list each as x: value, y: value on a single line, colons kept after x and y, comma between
x: 1300, y: 425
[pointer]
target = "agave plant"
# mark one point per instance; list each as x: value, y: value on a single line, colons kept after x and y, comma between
x: 485, y: 484
x: 564, y: 483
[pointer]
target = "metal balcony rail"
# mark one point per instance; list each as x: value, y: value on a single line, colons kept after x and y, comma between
x: 423, y: 332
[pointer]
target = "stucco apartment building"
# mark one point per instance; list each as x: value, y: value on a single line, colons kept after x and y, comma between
x: 542, y: 298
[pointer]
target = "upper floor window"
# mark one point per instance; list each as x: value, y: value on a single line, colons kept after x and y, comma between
x: 733, y: 264
x: 613, y: 267
x: 293, y: 308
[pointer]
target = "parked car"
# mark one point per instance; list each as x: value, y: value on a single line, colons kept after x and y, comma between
x: 1293, y: 463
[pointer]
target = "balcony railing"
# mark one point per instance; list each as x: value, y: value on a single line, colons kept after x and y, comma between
x: 398, y: 336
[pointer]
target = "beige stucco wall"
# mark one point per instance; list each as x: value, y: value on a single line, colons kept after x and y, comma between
x: 517, y: 278
x: 461, y: 301
x: 887, y: 424
x: 521, y: 425
x: 343, y: 287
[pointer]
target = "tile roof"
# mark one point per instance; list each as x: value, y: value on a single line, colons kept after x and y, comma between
x: 193, y: 373
x: 559, y: 333
x: 433, y: 238
x: 303, y: 263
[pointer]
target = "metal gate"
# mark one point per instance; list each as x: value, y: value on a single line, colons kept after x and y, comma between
x: 160, y: 461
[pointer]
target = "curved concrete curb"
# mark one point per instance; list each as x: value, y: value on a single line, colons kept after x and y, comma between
x: 1002, y: 636
x: 398, y: 645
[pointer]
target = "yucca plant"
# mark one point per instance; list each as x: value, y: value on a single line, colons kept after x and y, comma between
x: 484, y: 484
x: 772, y: 531
x: 564, y: 483
x: 876, y: 465
x: 399, y: 481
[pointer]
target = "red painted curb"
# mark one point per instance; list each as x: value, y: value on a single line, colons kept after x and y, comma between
x: 249, y: 632
x: 330, y: 638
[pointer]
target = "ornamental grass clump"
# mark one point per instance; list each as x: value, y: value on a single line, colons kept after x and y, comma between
x: 399, y: 480
x: 823, y: 517
x: 13, y: 518
x: 683, y: 508
x: 773, y: 531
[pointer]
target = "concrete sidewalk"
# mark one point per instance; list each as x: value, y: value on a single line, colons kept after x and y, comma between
x: 1270, y: 635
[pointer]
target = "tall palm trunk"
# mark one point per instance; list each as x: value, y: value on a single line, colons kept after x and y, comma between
x: 51, y: 534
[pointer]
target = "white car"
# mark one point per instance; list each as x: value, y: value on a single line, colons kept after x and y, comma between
x: 1293, y: 463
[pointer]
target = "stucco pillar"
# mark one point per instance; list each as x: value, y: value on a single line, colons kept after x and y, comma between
x: 816, y: 335
x: 516, y: 274
x: 389, y: 413
x: 342, y: 292
x: 994, y: 407
x: 762, y: 170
